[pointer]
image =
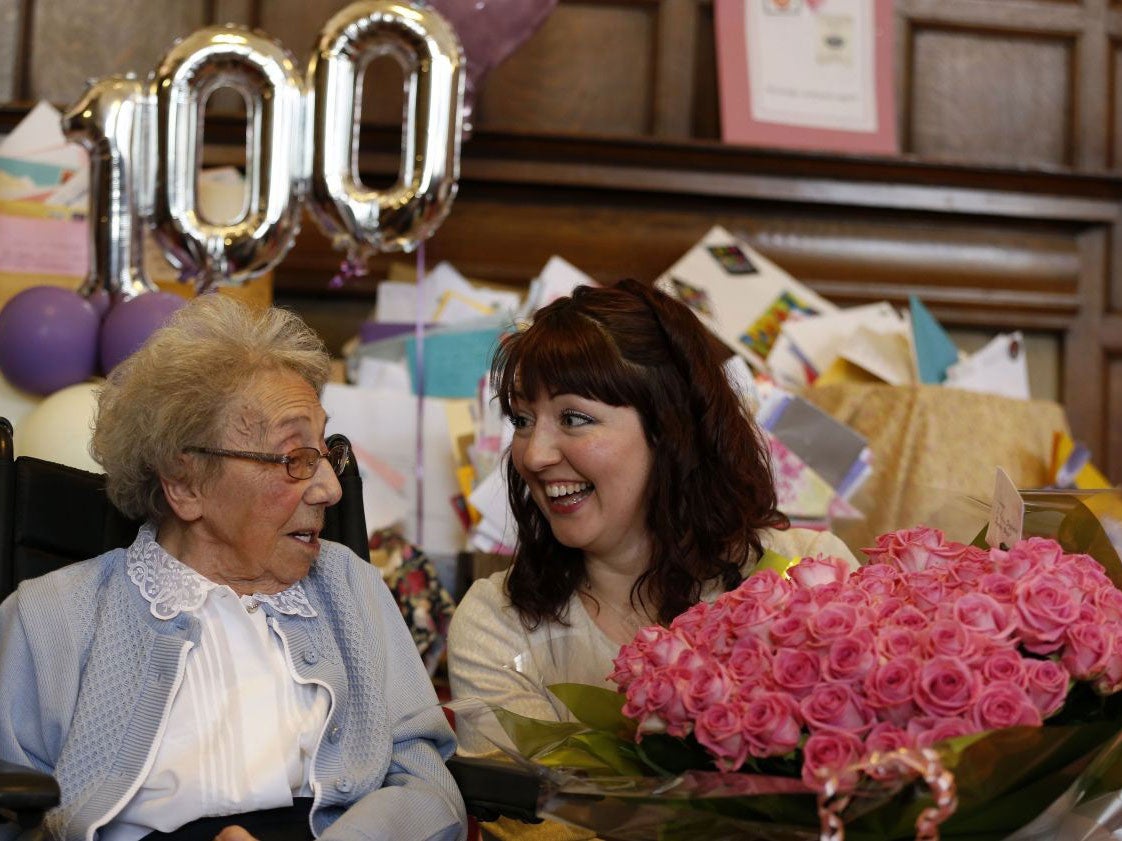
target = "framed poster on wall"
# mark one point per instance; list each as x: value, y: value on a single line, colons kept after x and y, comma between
x: 807, y: 74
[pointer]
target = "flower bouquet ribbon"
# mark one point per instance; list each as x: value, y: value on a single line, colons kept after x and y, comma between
x: 942, y: 690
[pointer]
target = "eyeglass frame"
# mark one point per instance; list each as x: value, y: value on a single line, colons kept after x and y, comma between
x: 287, y: 459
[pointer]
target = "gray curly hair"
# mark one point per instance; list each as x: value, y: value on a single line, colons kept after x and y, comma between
x: 176, y: 390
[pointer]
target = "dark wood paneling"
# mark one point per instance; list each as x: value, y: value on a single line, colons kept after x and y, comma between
x: 72, y: 42
x: 589, y: 70
x: 991, y: 97
x: 11, y: 25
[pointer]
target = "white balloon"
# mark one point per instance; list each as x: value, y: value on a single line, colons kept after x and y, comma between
x: 16, y: 404
x: 59, y: 429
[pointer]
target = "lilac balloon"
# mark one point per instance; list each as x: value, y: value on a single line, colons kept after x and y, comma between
x: 99, y: 300
x: 131, y: 322
x: 48, y: 339
x: 489, y: 31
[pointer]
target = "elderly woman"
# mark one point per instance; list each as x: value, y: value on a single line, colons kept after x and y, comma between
x: 229, y: 671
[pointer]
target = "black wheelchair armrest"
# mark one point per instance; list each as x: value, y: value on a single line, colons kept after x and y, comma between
x: 25, y: 794
x: 493, y: 788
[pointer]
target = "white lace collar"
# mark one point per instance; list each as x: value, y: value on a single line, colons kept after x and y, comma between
x: 171, y: 587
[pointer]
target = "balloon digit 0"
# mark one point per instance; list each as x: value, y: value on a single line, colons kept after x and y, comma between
x: 265, y: 74
x: 429, y: 53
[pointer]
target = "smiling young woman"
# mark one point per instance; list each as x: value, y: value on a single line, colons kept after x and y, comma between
x: 639, y: 486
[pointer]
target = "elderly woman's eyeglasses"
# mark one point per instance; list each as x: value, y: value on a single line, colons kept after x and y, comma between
x: 300, y: 463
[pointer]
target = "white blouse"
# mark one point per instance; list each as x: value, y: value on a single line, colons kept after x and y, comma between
x: 242, y: 729
x: 492, y: 657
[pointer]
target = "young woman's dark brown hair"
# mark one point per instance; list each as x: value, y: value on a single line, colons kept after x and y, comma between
x: 710, y: 492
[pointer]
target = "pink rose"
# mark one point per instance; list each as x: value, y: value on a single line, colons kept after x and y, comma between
x: 831, y: 753
x: 945, y: 637
x: 1045, y: 607
x: 1004, y: 704
x: 629, y: 664
x: 883, y: 740
x: 719, y: 730
x: 665, y: 648
x: 984, y: 615
x: 789, y: 631
x: 890, y: 689
x: 1033, y: 553
x: 823, y: 569
x: 1047, y: 686
x: 928, y: 588
x: 998, y: 587
x: 1087, y: 650
x: 946, y: 687
x: 887, y: 737
x: 707, y: 685
x: 894, y: 642
x: 772, y: 724
x: 831, y: 622
x: 689, y: 623
x: 795, y: 670
x: 752, y: 618
x: 880, y: 581
x: 1111, y: 679
x: 766, y: 586
x: 909, y: 616
x: 1108, y: 600
x: 835, y: 706
x: 939, y: 730
x: 749, y: 663
x: 909, y: 550
x: 1004, y: 664
x: 850, y: 658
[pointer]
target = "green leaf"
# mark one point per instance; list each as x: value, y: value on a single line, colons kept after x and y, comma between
x: 532, y: 736
x: 595, y: 706
x: 774, y: 561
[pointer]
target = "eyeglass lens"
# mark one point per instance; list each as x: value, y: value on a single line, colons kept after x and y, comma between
x: 302, y: 462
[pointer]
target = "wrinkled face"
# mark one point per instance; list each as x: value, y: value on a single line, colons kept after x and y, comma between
x: 587, y: 465
x: 262, y: 526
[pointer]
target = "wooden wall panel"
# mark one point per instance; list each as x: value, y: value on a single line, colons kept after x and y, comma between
x: 990, y: 97
x: 296, y: 22
x: 99, y: 39
x: 588, y: 70
x: 11, y: 22
x: 1114, y: 102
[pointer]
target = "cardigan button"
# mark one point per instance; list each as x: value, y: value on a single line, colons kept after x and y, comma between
x: 311, y: 656
x: 344, y: 784
x: 334, y: 733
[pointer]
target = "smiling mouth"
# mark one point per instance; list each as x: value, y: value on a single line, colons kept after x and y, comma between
x: 308, y: 537
x: 567, y: 494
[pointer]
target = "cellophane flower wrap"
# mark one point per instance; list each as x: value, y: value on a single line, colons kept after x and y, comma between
x: 755, y: 712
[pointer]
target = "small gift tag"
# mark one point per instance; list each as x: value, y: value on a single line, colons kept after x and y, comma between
x: 1007, y: 516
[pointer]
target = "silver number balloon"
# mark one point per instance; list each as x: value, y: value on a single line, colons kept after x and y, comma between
x: 426, y: 47
x: 112, y: 121
x: 266, y: 76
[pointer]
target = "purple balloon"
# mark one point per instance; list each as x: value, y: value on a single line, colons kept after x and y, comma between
x: 489, y: 31
x: 131, y: 322
x: 99, y: 300
x: 48, y: 339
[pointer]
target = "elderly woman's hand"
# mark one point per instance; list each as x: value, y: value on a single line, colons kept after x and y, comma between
x: 234, y: 833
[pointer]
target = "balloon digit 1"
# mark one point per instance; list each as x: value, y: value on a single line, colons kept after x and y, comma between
x: 412, y: 209
x: 111, y: 121
x: 264, y: 73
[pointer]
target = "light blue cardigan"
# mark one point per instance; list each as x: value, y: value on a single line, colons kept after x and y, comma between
x: 87, y: 675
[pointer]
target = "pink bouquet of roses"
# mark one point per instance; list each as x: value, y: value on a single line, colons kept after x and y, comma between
x: 931, y: 640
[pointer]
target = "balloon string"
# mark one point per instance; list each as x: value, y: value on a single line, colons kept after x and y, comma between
x: 419, y: 332
x: 350, y: 269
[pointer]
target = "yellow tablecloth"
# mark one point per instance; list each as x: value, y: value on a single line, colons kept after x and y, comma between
x: 933, y: 447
